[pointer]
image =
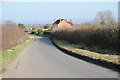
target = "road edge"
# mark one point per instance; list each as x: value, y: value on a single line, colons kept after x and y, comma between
x: 88, y: 59
x: 6, y: 68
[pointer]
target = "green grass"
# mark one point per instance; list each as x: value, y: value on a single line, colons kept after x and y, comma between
x: 75, y: 49
x: 9, y: 55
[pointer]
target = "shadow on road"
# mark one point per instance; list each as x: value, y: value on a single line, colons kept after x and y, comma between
x: 45, y: 40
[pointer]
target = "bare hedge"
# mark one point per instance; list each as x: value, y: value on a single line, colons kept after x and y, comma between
x: 102, y: 36
x: 11, y: 36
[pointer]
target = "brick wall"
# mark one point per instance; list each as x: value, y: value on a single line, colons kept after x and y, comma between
x: 64, y: 25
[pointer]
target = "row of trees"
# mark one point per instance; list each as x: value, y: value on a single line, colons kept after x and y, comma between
x: 22, y: 26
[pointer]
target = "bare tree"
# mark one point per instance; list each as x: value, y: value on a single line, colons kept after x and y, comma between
x: 9, y: 22
x: 104, y: 17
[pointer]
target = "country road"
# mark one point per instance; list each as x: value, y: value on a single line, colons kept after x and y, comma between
x: 42, y: 60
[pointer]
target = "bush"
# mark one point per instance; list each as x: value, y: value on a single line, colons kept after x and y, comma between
x: 11, y: 36
x: 33, y: 32
x: 46, y: 26
x: 47, y: 32
x: 104, y: 37
x: 21, y: 26
x: 40, y: 31
x: 33, y: 27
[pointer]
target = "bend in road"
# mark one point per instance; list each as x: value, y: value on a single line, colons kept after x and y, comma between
x: 42, y: 60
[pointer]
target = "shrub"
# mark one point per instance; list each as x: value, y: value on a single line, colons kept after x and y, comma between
x: 33, y: 32
x: 11, y: 36
x: 33, y: 27
x: 21, y: 26
x: 40, y: 31
x: 101, y: 36
x: 46, y: 26
x: 47, y: 32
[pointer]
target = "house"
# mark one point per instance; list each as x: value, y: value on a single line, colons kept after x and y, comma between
x: 61, y: 24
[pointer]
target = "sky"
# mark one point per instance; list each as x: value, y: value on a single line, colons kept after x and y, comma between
x: 60, y: 0
x: 46, y: 12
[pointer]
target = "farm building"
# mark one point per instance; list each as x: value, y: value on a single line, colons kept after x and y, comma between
x: 61, y: 24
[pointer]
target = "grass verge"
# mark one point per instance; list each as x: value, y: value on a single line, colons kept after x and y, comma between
x: 89, y: 55
x: 7, y: 56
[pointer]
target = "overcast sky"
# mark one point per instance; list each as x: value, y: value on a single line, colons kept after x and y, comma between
x: 45, y: 12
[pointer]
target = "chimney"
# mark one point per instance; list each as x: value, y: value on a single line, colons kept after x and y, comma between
x: 71, y: 21
x: 60, y: 19
x: 54, y: 20
x: 66, y: 19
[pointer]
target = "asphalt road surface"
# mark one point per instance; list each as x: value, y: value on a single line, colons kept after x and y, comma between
x: 42, y: 60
